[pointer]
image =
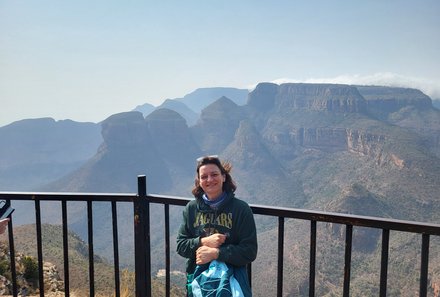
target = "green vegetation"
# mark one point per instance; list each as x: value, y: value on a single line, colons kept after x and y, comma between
x: 30, y: 269
x: 5, y: 268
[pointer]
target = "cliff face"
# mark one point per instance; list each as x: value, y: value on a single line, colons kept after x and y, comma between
x: 388, y: 99
x: 217, y: 125
x: 311, y: 97
x: 320, y: 97
x: 340, y: 139
x: 124, y: 130
x: 172, y: 139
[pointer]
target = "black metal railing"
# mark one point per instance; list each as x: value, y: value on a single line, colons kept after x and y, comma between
x: 142, y: 246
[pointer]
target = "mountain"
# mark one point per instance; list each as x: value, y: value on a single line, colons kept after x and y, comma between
x: 181, y: 108
x: 191, y: 104
x: 145, y: 109
x: 188, y: 114
x: 217, y: 124
x: 124, y: 154
x: 35, y: 151
x: 408, y: 108
x: 365, y: 150
x: 202, y: 97
x: 295, y: 145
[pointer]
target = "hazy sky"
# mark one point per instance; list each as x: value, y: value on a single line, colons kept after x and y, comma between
x: 86, y: 60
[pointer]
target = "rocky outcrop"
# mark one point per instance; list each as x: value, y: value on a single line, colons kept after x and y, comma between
x: 320, y: 97
x: 337, y: 139
x: 372, y: 146
x: 329, y: 139
x: 217, y: 125
x: 388, y: 99
x: 249, y: 151
x: 124, y: 130
x: 310, y: 97
x: 170, y: 131
x: 27, y: 279
x: 364, y: 143
x: 262, y: 98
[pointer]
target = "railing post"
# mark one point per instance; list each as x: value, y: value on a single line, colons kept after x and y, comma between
x: 167, y: 251
x: 347, y: 265
x: 424, y: 266
x: 12, y: 255
x: 280, y: 256
x: 65, y: 249
x: 142, y: 240
x: 91, y: 248
x: 384, y: 262
x: 39, y: 246
x: 312, y: 259
x: 116, y: 249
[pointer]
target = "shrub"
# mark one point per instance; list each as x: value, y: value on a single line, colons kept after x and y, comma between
x: 4, y: 267
x: 30, y: 269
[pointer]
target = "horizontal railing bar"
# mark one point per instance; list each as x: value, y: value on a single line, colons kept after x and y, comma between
x: 60, y: 196
x: 355, y: 220
x: 294, y: 213
x: 320, y: 216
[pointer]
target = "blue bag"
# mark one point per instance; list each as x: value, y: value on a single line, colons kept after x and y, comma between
x: 215, y: 279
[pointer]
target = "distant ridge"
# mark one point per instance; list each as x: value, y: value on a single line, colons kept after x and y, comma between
x: 202, y: 97
x: 34, y: 151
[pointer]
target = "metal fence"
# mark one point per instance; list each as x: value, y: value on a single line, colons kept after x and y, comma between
x: 142, y: 245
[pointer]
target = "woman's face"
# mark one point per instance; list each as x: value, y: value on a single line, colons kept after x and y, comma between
x: 211, y: 180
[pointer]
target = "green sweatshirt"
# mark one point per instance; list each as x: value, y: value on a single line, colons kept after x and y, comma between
x: 233, y: 218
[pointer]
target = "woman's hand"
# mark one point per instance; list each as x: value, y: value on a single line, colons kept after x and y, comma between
x: 214, y: 240
x: 3, y: 225
x: 205, y: 254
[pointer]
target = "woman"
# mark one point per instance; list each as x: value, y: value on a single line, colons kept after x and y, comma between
x: 216, y: 225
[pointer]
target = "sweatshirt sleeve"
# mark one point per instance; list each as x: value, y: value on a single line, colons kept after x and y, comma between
x: 187, y: 244
x: 245, y: 250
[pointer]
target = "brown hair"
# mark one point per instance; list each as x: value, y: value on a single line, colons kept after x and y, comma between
x: 225, y: 169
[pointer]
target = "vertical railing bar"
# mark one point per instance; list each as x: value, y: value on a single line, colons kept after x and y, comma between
x: 12, y: 255
x: 384, y: 262
x: 167, y: 250
x: 312, y: 258
x: 65, y: 249
x: 142, y: 240
x: 347, y: 265
x: 280, y: 256
x: 139, y: 239
x: 424, y: 266
x: 91, y: 253
x: 39, y: 247
x: 147, y: 241
x: 116, y: 249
